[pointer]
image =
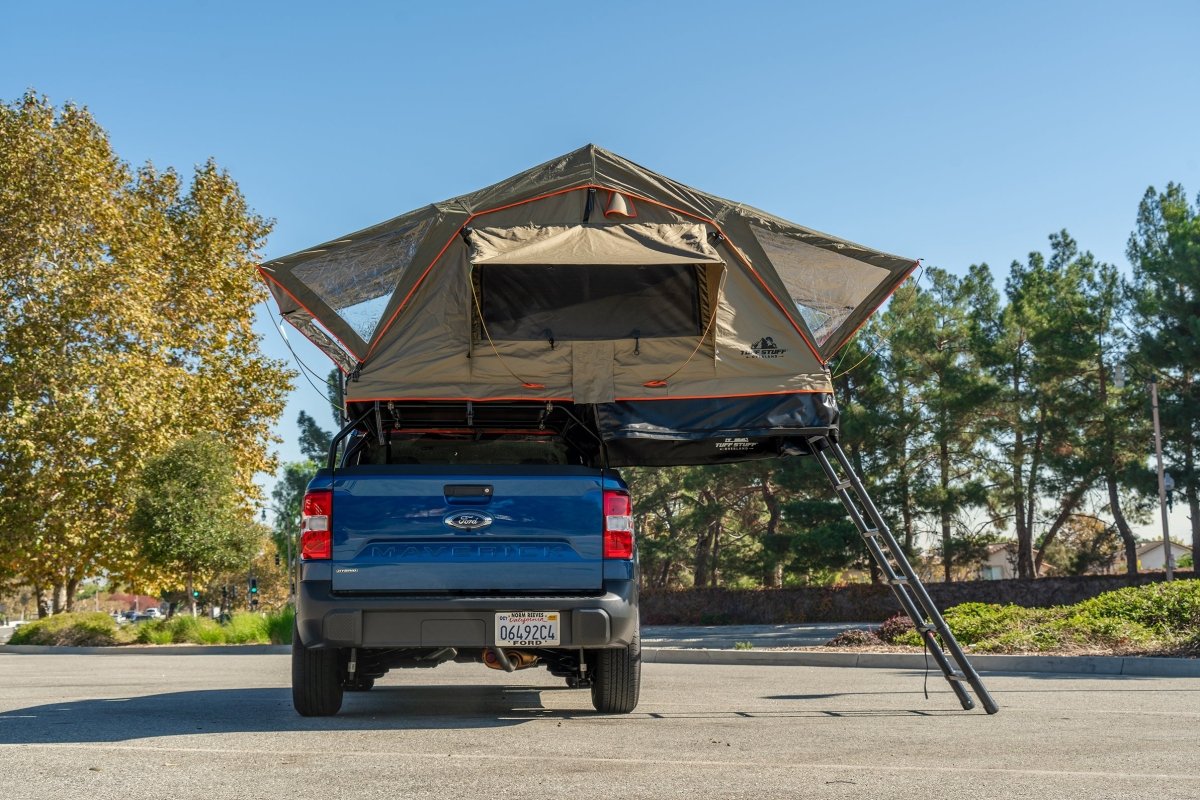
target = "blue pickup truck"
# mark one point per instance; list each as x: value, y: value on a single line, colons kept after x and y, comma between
x: 503, y: 550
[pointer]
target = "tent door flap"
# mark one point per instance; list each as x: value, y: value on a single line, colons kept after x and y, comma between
x: 592, y: 371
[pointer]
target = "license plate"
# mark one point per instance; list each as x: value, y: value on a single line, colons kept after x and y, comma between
x: 527, y: 628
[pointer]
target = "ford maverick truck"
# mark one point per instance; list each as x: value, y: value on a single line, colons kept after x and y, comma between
x: 500, y: 549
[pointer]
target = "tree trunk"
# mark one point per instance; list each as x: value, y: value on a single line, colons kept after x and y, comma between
x: 714, y: 570
x: 1189, y: 489
x: 72, y: 587
x: 773, y: 578
x: 192, y: 595
x: 1069, y: 504
x: 1024, y: 528
x: 42, y: 601
x: 58, y: 598
x: 944, y: 512
x: 1114, y: 507
x: 703, y: 550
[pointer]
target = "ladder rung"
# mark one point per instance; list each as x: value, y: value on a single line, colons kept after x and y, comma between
x: 898, y: 580
x: 872, y: 532
x: 837, y: 487
x: 955, y: 675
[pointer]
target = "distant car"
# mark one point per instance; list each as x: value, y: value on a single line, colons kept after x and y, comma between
x: 152, y: 613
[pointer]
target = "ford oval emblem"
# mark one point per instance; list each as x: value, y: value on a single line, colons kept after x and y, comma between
x: 468, y: 520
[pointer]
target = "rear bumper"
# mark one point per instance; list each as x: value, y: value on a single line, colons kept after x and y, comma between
x: 324, y: 619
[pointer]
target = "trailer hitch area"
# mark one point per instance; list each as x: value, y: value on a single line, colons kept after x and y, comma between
x: 496, y: 658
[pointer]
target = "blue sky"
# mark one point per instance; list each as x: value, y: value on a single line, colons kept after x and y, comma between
x: 952, y: 132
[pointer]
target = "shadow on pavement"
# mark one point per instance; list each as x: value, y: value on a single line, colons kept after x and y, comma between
x: 222, y: 711
x: 270, y: 711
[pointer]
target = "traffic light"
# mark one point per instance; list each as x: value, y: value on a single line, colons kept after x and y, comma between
x: 195, y: 594
x: 254, y: 586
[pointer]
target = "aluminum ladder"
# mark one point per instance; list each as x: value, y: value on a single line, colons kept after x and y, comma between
x: 898, y: 572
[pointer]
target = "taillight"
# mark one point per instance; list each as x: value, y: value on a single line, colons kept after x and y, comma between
x: 618, y: 525
x: 316, y: 540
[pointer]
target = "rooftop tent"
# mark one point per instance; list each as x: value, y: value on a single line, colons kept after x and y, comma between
x: 637, y: 319
x: 673, y: 325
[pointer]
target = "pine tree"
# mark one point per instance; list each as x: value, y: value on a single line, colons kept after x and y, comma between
x: 1164, y: 250
x: 1035, y: 349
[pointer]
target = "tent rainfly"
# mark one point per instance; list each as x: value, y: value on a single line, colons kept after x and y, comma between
x: 672, y: 325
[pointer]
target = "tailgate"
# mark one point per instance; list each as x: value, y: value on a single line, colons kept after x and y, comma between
x: 505, y: 530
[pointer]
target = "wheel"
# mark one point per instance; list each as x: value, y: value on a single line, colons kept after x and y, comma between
x: 316, y: 682
x: 617, y: 678
x: 358, y: 685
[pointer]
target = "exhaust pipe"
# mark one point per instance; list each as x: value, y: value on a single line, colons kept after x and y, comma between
x: 496, y: 658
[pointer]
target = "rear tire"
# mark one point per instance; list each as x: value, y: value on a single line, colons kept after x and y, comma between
x: 316, y: 680
x: 617, y: 678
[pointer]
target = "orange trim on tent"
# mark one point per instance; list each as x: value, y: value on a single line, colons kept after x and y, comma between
x: 723, y: 396
x: 572, y: 400
x: 461, y: 399
x: 379, y: 336
x: 349, y: 350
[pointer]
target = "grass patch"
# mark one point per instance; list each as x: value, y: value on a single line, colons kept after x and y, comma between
x: 152, y: 633
x: 77, y: 629
x: 1160, y: 618
x: 94, y: 629
x: 243, y: 628
x: 246, y: 629
x: 280, y: 625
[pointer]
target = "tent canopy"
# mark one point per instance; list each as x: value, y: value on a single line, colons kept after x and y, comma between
x: 590, y: 280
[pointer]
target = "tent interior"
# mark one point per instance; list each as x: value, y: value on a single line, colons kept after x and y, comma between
x: 591, y: 303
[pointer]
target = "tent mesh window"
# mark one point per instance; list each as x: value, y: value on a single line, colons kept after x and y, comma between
x: 825, y: 285
x: 357, y: 281
x: 590, y: 302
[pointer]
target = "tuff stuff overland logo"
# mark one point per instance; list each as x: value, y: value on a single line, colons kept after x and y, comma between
x: 764, y: 348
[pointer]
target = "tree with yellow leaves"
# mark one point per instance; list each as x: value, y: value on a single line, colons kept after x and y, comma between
x: 126, y: 302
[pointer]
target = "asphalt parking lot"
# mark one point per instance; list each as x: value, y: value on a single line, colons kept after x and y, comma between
x: 221, y: 726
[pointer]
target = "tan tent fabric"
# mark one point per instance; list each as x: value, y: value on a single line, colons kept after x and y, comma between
x: 555, y: 193
x: 602, y: 244
x: 402, y: 298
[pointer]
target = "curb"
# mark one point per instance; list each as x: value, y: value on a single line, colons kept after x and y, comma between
x: 150, y: 650
x: 1069, y: 665
x: 1072, y: 665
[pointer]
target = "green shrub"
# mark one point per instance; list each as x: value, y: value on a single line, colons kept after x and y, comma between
x: 78, y: 629
x: 1160, y: 617
x: 974, y: 622
x: 154, y: 632
x: 280, y: 624
x: 187, y: 629
x: 1161, y: 607
x: 246, y: 628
